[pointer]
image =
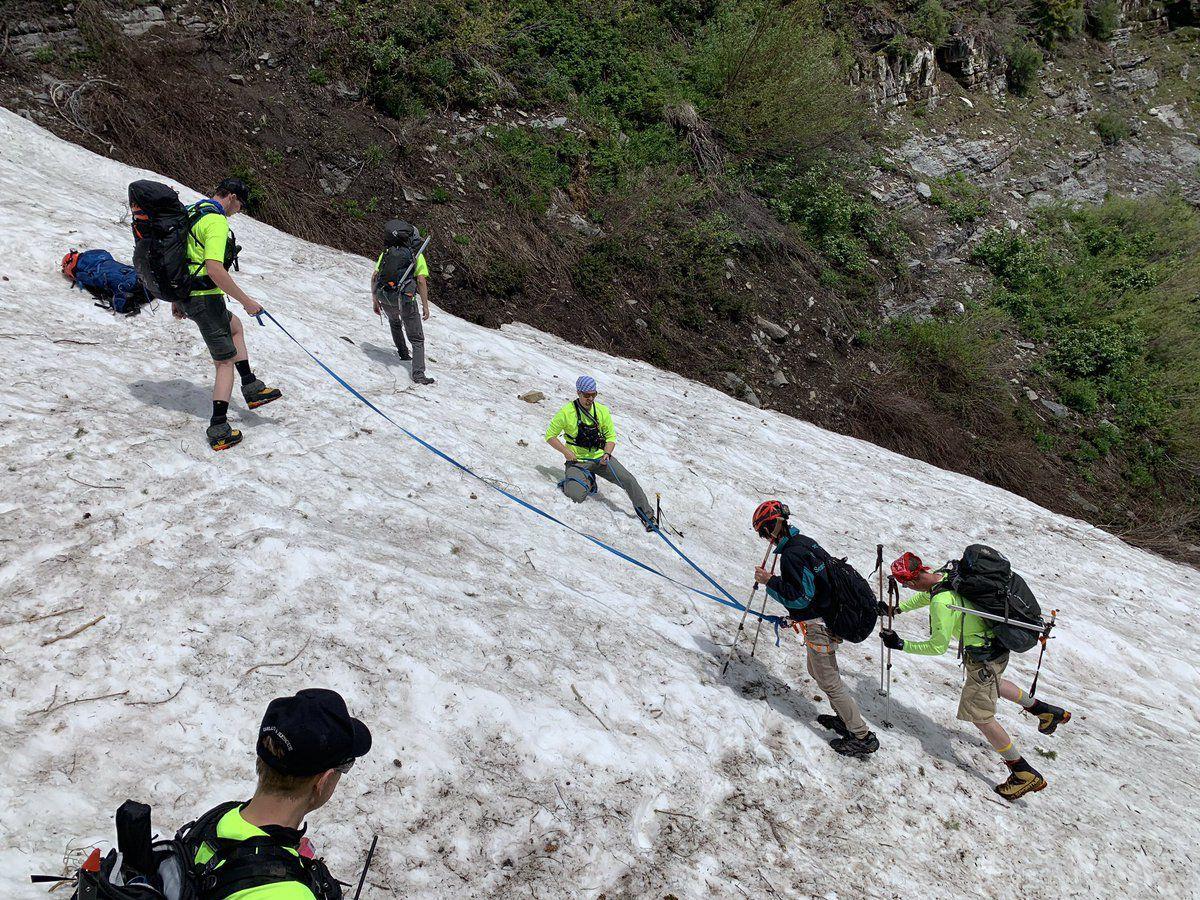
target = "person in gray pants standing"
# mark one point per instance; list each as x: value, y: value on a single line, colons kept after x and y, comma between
x: 401, y: 277
x: 590, y: 435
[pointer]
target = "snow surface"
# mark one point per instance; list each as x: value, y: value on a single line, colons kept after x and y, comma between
x: 548, y: 720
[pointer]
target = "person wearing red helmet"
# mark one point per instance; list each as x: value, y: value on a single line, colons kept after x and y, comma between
x: 834, y: 602
x: 984, y: 661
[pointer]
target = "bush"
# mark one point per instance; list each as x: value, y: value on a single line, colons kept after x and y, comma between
x: 1059, y: 20
x: 964, y: 356
x: 963, y: 202
x: 1112, y: 128
x: 776, y: 79
x: 1103, y: 17
x: 932, y: 23
x: 317, y: 76
x: 839, y: 224
x: 1024, y: 63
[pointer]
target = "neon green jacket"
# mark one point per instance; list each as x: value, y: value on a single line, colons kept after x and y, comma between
x: 235, y: 828
x: 566, y: 422
x: 946, y: 624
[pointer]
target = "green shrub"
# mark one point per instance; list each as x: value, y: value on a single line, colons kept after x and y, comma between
x: 963, y: 201
x: 931, y: 22
x: 842, y: 225
x: 1024, y: 63
x: 963, y: 355
x: 317, y: 76
x: 273, y: 157
x: 1112, y: 128
x: 1103, y: 17
x: 1059, y: 20
x: 776, y: 77
x: 43, y: 56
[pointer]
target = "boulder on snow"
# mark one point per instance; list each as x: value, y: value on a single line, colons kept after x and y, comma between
x: 532, y: 396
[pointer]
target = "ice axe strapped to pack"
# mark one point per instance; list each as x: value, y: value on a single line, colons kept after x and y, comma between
x: 403, y: 248
x: 985, y: 577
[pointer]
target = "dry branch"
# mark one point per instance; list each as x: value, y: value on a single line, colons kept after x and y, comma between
x: 71, y: 634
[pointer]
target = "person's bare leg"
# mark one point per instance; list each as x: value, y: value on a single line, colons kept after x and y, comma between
x: 998, y: 738
x: 223, y: 386
x: 239, y: 339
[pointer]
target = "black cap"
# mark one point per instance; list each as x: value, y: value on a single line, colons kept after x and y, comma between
x: 235, y: 186
x: 310, y: 733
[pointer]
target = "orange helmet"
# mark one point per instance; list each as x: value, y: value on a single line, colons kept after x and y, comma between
x: 908, y: 567
x: 768, y: 513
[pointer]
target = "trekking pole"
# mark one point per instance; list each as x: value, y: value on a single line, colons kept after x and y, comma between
x: 1045, y: 637
x: 879, y: 569
x: 758, y: 628
x: 363, y: 877
x: 658, y: 507
x: 892, y: 602
x: 745, y: 612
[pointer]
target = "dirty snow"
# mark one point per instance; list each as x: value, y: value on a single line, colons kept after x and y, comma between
x: 548, y: 721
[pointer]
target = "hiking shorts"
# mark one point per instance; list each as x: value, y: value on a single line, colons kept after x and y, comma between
x: 213, y: 318
x: 981, y: 689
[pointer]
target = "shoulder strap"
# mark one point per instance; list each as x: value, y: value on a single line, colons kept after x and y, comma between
x: 255, y: 862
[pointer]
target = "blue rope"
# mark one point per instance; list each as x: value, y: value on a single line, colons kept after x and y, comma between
x: 727, y: 601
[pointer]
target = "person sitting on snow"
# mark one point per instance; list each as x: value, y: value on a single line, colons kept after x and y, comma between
x: 984, y: 661
x: 590, y: 436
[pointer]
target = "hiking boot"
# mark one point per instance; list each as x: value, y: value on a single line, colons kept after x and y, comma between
x: 222, y: 437
x: 258, y: 394
x: 834, y: 723
x: 1022, y: 779
x: 422, y: 379
x: 404, y: 355
x: 1049, y: 717
x: 856, y: 746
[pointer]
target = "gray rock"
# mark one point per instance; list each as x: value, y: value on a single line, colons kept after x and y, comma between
x: 923, y: 190
x: 750, y: 397
x: 641, y: 323
x: 237, y: 79
x: 1056, y: 409
x: 532, y: 396
x: 1031, y: 394
x: 1027, y: 345
x: 734, y: 381
x: 334, y: 181
x: 557, y: 122
x: 582, y: 225
x: 775, y: 331
x: 778, y: 379
x: 412, y: 196
x: 874, y: 368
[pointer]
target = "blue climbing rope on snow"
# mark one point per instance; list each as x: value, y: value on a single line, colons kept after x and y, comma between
x: 727, y: 600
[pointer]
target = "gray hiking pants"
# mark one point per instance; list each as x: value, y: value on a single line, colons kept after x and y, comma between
x: 578, y: 481
x: 405, y: 316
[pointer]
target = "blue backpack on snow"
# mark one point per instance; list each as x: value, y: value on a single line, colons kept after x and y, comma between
x: 114, y: 285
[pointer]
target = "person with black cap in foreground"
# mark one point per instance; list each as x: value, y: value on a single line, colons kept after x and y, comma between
x: 257, y: 850
x: 211, y: 250
x: 830, y: 602
x: 984, y: 660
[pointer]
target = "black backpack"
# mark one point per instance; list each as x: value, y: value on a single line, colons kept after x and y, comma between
x: 396, y: 281
x: 855, y: 610
x: 144, y: 869
x: 985, y: 578
x: 161, y: 226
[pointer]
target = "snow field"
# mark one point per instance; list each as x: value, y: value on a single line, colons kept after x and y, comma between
x: 549, y: 721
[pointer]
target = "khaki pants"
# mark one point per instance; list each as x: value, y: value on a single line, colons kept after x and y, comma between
x: 981, y: 690
x: 823, y: 667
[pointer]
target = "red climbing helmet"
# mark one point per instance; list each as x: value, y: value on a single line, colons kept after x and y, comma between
x: 908, y: 567
x: 768, y: 513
